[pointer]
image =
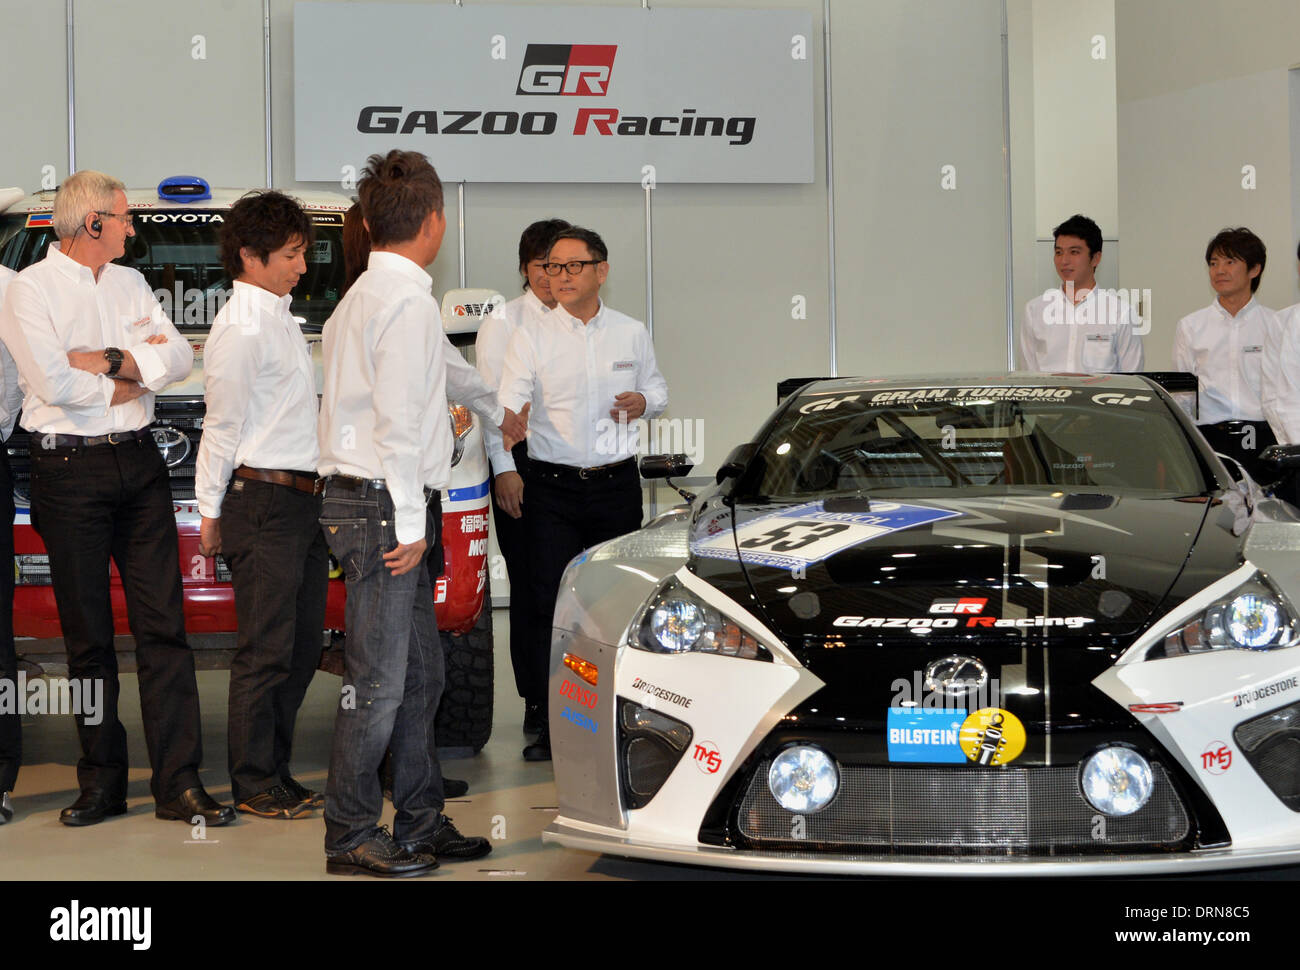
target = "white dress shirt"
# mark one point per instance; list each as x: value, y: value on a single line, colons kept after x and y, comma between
x: 490, y: 354
x: 465, y: 385
x: 1280, y: 378
x: 57, y: 305
x: 384, y: 409
x: 571, y: 373
x: 260, y: 391
x: 1226, y: 353
x: 1097, y: 334
x: 11, y: 395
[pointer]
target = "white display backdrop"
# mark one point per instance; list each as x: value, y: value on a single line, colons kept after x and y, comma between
x: 555, y: 94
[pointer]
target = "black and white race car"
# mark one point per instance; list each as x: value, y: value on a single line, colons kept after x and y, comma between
x: 1020, y: 624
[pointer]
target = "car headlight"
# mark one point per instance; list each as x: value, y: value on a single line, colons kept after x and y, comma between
x: 1255, y: 616
x: 675, y: 620
x: 462, y: 422
x: 1116, y: 781
x: 803, y: 779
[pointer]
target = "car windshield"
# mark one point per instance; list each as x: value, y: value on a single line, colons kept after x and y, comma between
x: 179, y: 254
x: 985, y: 438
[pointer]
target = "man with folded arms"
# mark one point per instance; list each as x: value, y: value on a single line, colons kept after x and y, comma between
x: 386, y: 452
x: 255, y: 481
x: 11, y: 730
x: 92, y: 347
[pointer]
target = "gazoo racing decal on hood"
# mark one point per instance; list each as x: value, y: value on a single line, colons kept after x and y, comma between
x: 942, y: 623
x: 805, y: 534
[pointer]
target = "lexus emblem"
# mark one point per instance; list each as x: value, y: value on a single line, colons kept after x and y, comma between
x: 173, y: 444
x: 954, y: 676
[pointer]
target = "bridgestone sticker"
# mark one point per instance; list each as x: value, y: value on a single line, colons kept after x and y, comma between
x: 805, y: 534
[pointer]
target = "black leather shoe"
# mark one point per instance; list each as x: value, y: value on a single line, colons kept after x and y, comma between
x: 380, y: 856
x: 93, y: 806
x: 195, y: 801
x: 533, y: 719
x: 300, y: 791
x: 447, y: 843
x: 277, y: 802
x: 6, y: 808
x: 539, y: 750
x: 454, y: 788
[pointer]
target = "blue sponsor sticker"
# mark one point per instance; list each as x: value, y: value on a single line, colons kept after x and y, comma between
x: 925, y: 735
x: 583, y: 721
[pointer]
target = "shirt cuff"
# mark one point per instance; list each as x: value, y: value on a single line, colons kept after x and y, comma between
x: 150, y: 364
x: 502, y: 463
x: 410, y: 526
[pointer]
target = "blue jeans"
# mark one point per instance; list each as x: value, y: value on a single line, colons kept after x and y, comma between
x: 392, y: 680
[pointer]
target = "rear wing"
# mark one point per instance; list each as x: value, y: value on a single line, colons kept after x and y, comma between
x: 464, y: 310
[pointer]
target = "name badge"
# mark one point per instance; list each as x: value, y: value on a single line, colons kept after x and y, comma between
x: 1252, y: 349
x: 1099, y: 338
x: 624, y: 365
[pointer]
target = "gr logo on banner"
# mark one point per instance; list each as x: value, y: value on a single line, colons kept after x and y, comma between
x: 573, y: 69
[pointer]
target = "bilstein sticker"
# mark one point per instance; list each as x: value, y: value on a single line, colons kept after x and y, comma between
x: 992, y: 736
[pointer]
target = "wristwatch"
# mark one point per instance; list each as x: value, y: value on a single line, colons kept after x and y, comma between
x: 114, y: 358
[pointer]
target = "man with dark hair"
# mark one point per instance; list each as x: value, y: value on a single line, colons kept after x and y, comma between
x: 508, y: 514
x: 1078, y: 328
x: 255, y: 481
x: 385, y: 454
x: 11, y: 730
x: 588, y: 370
x: 1223, y: 345
x: 1280, y: 380
x: 100, y: 491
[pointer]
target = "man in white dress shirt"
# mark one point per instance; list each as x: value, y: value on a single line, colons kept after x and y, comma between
x: 255, y: 481
x: 11, y: 732
x: 1078, y: 328
x: 385, y: 454
x: 588, y: 371
x: 1223, y: 345
x: 508, y: 467
x: 1280, y: 384
x: 92, y: 347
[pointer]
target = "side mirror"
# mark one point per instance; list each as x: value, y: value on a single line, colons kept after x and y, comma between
x: 737, y: 461
x: 665, y: 466
x: 1285, y: 458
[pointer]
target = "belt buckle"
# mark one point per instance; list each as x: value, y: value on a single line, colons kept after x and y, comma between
x: 113, y: 438
x: 582, y: 473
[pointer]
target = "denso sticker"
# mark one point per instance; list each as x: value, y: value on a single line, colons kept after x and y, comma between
x: 807, y: 533
x: 925, y: 735
x: 579, y: 695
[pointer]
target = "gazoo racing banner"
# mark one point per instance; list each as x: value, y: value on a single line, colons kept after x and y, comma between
x: 555, y: 94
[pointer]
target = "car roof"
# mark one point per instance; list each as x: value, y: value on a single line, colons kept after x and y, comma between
x: 842, y: 385
x: 314, y: 201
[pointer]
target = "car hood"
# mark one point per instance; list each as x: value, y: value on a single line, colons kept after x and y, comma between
x: 1063, y: 568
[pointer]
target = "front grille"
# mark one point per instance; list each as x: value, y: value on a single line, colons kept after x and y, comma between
x: 954, y: 810
x: 1271, y: 743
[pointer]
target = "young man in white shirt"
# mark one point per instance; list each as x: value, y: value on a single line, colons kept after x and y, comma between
x: 1223, y: 345
x: 1078, y: 328
x: 100, y: 490
x: 385, y: 454
x: 11, y: 731
x: 588, y: 371
x: 1280, y: 383
x: 255, y: 482
x: 508, y: 467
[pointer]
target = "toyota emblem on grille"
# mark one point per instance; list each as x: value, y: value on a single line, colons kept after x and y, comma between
x: 955, y: 675
x: 173, y: 444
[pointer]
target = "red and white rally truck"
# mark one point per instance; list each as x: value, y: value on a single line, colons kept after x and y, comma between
x: 176, y: 247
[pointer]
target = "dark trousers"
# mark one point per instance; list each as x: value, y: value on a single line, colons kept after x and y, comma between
x: 1226, y: 439
x: 565, y: 516
x: 392, y: 679
x: 512, y: 540
x: 90, y: 504
x: 279, y: 568
x: 11, y: 726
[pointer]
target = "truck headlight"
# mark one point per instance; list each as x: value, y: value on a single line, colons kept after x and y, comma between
x: 1255, y: 616
x: 1116, y: 781
x: 675, y: 620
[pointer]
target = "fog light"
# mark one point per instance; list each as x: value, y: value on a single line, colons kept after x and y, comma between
x: 1116, y: 781
x: 803, y: 779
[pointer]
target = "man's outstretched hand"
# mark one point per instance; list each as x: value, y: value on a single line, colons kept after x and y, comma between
x: 515, y: 426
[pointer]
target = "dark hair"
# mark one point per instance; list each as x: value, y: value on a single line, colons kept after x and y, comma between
x: 535, y: 241
x: 398, y: 191
x: 262, y: 222
x: 356, y: 247
x: 595, y: 245
x: 1242, y: 244
x: 1081, y: 227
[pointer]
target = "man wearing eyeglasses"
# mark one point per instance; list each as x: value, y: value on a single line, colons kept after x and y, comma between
x: 92, y: 347
x: 589, y: 372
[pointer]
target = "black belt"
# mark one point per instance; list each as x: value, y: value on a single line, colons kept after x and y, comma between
x: 350, y: 483
x: 594, y: 473
x: 47, y: 442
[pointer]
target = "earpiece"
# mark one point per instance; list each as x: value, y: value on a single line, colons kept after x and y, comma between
x: 96, y: 228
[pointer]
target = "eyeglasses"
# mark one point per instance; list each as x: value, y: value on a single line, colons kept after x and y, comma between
x: 573, y: 267
x: 126, y: 217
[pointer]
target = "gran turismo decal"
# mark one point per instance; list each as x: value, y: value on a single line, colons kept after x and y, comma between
x: 1247, y: 698
x: 1111, y: 397
x: 992, y: 736
x: 973, y: 393
x: 580, y: 719
x: 829, y: 404
x: 971, y: 622
x: 806, y: 533
x: 663, y: 693
x: 707, y: 757
x: 579, y: 695
x: 1216, y: 758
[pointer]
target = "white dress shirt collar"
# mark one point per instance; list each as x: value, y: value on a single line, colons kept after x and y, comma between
x: 1240, y: 314
x: 68, y: 266
x: 397, y: 263
x: 263, y: 299
x: 573, y: 321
